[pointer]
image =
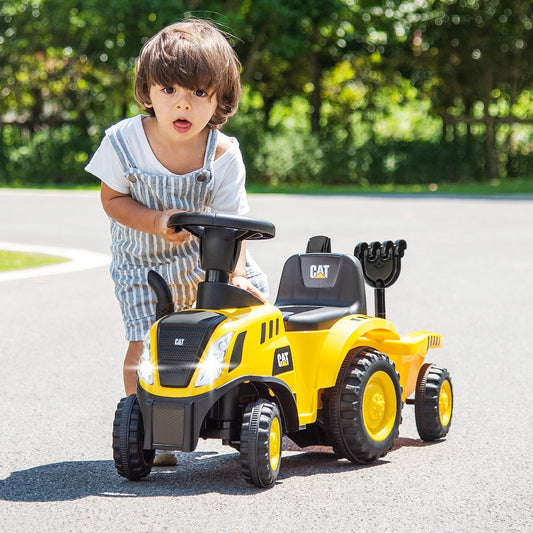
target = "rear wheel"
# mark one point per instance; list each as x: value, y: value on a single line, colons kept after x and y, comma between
x: 131, y: 461
x: 261, y: 437
x: 433, y: 402
x: 365, y: 407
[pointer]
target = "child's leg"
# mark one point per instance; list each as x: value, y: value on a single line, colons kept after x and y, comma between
x: 131, y: 361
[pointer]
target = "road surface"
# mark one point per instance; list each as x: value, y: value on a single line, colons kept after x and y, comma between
x: 467, y: 273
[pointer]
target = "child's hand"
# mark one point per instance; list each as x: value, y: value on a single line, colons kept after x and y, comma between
x: 243, y: 283
x: 169, y: 234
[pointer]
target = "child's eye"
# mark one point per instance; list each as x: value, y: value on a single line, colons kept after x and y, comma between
x: 169, y: 90
x: 200, y: 93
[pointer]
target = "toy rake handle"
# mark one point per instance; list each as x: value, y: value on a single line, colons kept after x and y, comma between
x: 381, y: 264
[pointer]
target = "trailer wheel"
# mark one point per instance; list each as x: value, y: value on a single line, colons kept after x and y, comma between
x: 365, y: 406
x: 131, y: 461
x: 433, y: 402
x: 261, y: 438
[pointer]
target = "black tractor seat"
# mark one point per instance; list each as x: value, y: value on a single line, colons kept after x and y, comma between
x: 317, y: 289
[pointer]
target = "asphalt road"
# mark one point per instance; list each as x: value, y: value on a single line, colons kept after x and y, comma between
x: 467, y: 273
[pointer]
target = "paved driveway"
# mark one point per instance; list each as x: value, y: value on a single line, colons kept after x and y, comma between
x: 467, y: 273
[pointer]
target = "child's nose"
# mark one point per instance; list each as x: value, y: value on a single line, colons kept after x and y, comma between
x: 182, y: 102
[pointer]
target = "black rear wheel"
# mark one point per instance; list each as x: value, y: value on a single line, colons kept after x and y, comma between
x: 433, y: 402
x: 365, y: 407
x: 261, y: 437
x: 131, y: 461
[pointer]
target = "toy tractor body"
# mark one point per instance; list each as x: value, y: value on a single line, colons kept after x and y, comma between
x: 314, y: 366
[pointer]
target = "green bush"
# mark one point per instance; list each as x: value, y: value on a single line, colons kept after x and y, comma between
x: 279, y: 156
x: 288, y: 160
x: 49, y: 157
x: 402, y: 162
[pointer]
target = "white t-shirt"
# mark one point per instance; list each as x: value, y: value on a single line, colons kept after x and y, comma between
x: 229, y: 174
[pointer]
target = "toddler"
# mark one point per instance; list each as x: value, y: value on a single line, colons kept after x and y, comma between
x: 171, y: 159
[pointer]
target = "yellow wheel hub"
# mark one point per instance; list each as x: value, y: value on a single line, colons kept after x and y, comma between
x: 275, y: 443
x: 379, y: 406
x: 445, y: 403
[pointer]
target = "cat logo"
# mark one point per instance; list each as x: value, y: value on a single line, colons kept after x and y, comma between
x: 179, y: 342
x: 319, y: 271
x: 282, y: 361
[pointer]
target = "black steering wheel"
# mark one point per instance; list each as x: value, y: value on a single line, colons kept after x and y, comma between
x: 245, y: 228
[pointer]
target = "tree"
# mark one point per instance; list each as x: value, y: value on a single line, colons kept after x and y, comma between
x: 67, y: 72
x: 472, y: 58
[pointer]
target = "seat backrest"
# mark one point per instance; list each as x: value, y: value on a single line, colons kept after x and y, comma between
x: 323, y: 279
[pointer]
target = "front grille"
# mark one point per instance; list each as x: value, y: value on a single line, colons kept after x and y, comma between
x: 181, y: 340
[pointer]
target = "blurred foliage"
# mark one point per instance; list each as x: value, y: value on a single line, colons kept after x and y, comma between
x: 335, y: 91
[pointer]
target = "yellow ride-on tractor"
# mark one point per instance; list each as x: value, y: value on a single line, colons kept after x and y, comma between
x: 315, y: 366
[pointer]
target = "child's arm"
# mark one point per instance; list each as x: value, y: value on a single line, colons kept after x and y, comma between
x: 124, y: 209
x: 238, y: 277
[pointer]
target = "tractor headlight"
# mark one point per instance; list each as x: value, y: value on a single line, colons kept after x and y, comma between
x: 213, y: 362
x: 145, y: 370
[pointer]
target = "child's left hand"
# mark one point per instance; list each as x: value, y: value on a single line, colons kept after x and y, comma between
x: 162, y: 229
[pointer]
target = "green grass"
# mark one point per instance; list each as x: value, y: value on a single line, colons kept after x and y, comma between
x: 489, y: 188
x: 16, y: 260
x: 493, y: 188
x: 53, y: 186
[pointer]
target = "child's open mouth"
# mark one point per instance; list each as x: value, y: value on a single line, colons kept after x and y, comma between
x: 182, y: 126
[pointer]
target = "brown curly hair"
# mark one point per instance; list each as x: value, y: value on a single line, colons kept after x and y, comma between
x: 193, y: 54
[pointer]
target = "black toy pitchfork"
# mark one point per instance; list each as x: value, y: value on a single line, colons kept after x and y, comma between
x: 381, y: 263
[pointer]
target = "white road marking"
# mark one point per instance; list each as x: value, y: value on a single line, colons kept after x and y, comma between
x: 79, y: 260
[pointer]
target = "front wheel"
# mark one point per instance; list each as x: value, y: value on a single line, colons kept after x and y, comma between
x: 260, y: 446
x: 365, y: 407
x: 433, y: 402
x: 131, y: 461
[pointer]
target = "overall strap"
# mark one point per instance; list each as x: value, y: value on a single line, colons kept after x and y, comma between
x: 121, y: 148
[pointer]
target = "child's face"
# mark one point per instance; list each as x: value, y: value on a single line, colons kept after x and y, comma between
x: 182, y: 113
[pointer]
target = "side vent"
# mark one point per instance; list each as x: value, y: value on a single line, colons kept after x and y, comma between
x: 269, y: 329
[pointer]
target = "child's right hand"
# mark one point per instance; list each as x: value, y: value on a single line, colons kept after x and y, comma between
x: 169, y: 234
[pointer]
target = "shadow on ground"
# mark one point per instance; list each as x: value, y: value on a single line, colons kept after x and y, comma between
x: 196, y: 473
x: 412, y: 443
